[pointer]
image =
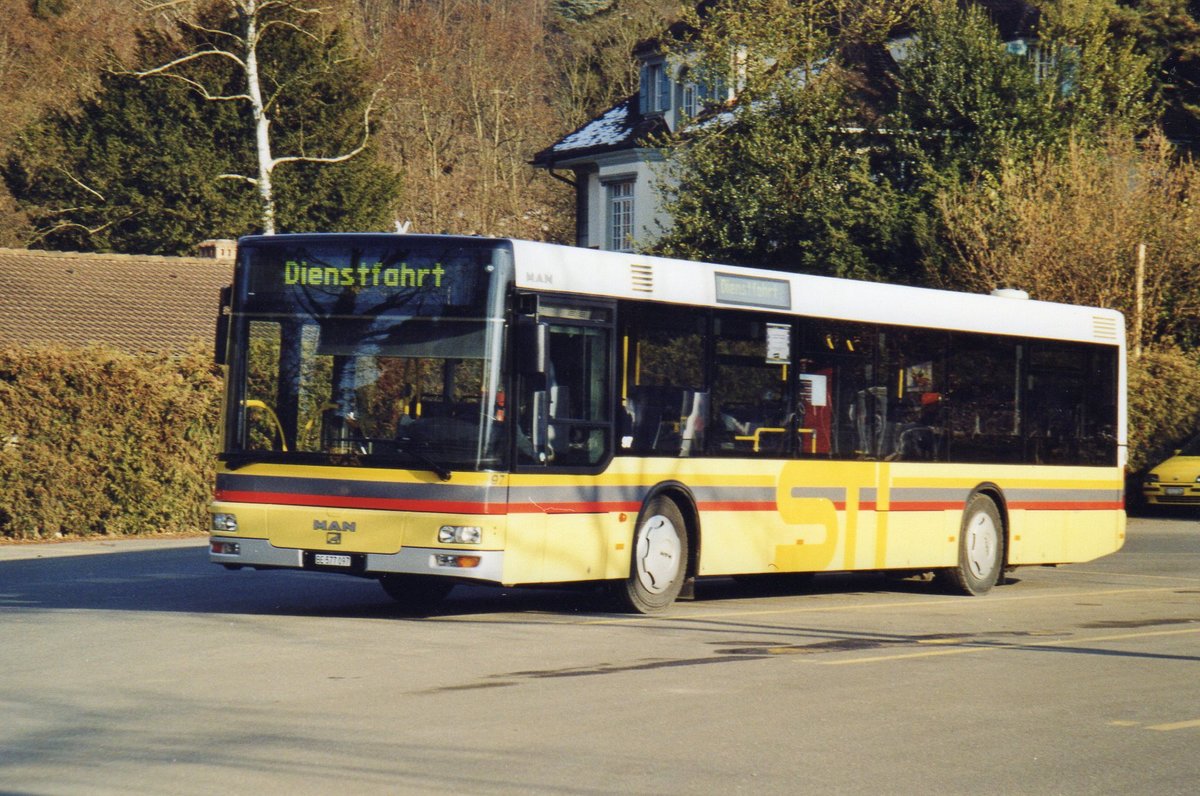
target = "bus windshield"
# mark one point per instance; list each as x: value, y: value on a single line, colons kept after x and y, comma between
x: 364, y: 349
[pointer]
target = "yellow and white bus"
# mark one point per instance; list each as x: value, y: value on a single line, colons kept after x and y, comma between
x: 432, y: 410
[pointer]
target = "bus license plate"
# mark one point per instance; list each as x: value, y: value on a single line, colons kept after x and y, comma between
x: 1174, y: 491
x: 329, y: 560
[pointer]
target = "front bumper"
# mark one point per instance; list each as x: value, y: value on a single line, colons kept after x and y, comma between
x: 1160, y: 494
x: 237, y: 551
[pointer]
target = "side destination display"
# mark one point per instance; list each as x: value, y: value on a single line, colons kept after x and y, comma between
x: 754, y: 291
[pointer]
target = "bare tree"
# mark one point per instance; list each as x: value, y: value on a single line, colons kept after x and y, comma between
x: 467, y: 86
x: 1070, y: 228
x: 240, y: 45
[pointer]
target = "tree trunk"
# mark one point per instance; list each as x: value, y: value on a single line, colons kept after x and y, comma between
x: 262, y: 123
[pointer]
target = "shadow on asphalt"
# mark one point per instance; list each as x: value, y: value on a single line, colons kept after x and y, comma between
x: 182, y: 580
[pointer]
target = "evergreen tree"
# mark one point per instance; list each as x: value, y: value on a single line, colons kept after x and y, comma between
x: 783, y: 184
x: 790, y: 177
x: 969, y: 101
x: 139, y: 167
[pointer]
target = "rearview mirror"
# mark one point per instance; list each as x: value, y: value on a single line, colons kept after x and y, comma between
x: 223, y: 318
x: 530, y: 346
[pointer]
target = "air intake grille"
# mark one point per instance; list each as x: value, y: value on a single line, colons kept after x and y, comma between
x: 643, y: 278
x: 1104, y: 328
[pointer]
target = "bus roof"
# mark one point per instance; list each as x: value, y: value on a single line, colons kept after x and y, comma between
x: 543, y: 266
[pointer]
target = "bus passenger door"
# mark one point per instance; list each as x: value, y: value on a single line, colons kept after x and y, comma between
x: 564, y: 411
x: 564, y: 408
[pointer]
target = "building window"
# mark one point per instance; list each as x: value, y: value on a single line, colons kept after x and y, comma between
x: 1043, y: 61
x: 620, y: 215
x: 689, y: 96
x: 655, y: 90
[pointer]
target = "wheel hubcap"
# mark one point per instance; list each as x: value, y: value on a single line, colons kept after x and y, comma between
x: 657, y: 554
x: 981, y: 543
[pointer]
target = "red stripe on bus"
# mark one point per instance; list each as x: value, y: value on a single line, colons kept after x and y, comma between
x: 571, y: 508
x: 1034, y: 505
x: 1049, y: 505
x: 926, y: 505
x: 738, y: 505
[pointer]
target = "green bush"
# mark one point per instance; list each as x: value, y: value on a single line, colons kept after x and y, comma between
x: 95, y: 441
x: 1164, y: 404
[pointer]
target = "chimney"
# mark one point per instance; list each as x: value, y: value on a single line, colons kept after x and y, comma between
x: 222, y: 249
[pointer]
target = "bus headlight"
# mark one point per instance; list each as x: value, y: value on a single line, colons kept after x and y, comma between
x: 460, y: 534
x: 224, y: 523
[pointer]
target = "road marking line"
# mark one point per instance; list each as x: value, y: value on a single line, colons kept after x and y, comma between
x: 992, y: 647
x: 1178, y: 725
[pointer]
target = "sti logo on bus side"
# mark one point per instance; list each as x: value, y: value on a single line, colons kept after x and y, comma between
x: 334, y: 526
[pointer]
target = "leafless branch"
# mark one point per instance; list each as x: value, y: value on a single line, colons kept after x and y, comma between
x: 44, y: 233
x: 337, y: 158
x: 80, y: 183
x: 213, y: 31
x: 281, y: 23
x: 291, y: 6
x: 203, y: 90
x: 151, y: 7
x: 158, y: 70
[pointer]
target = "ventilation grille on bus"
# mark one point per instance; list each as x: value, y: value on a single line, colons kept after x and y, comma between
x: 643, y: 278
x: 1104, y: 328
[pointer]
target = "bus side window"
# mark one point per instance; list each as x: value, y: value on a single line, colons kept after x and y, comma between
x: 754, y: 411
x: 914, y: 424
x: 837, y: 391
x: 665, y: 406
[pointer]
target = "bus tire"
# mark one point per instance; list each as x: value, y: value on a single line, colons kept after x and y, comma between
x: 416, y: 591
x: 980, y: 548
x: 659, y: 561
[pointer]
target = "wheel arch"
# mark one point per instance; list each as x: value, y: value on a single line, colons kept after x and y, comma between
x: 683, y: 498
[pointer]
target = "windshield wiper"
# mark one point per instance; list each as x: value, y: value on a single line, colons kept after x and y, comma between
x: 410, y: 446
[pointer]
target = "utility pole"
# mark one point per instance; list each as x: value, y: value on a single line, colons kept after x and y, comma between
x: 1139, y: 296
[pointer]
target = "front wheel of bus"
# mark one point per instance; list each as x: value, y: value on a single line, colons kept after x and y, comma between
x: 660, y: 557
x: 980, y: 548
x: 416, y: 591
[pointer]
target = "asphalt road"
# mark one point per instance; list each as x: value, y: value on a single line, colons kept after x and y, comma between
x: 138, y: 667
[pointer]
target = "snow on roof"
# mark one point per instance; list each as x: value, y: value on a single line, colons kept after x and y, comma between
x: 611, y: 128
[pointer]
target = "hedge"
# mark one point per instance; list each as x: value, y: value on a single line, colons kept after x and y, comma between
x: 1164, y: 404
x: 96, y: 441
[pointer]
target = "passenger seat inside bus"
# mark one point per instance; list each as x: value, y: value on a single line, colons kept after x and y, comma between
x: 665, y: 419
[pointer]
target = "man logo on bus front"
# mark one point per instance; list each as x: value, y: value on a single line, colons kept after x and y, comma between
x: 334, y: 525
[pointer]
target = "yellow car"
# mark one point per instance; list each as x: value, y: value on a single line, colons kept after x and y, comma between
x: 1175, y: 482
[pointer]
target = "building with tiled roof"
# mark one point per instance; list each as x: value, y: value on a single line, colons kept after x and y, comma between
x: 134, y: 303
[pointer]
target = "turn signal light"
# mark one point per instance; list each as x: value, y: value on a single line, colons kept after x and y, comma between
x: 462, y: 562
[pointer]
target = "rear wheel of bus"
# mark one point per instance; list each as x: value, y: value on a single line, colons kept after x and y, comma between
x: 980, y: 548
x: 659, y: 562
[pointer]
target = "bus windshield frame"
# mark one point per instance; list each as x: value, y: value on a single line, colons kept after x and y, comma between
x: 369, y: 350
